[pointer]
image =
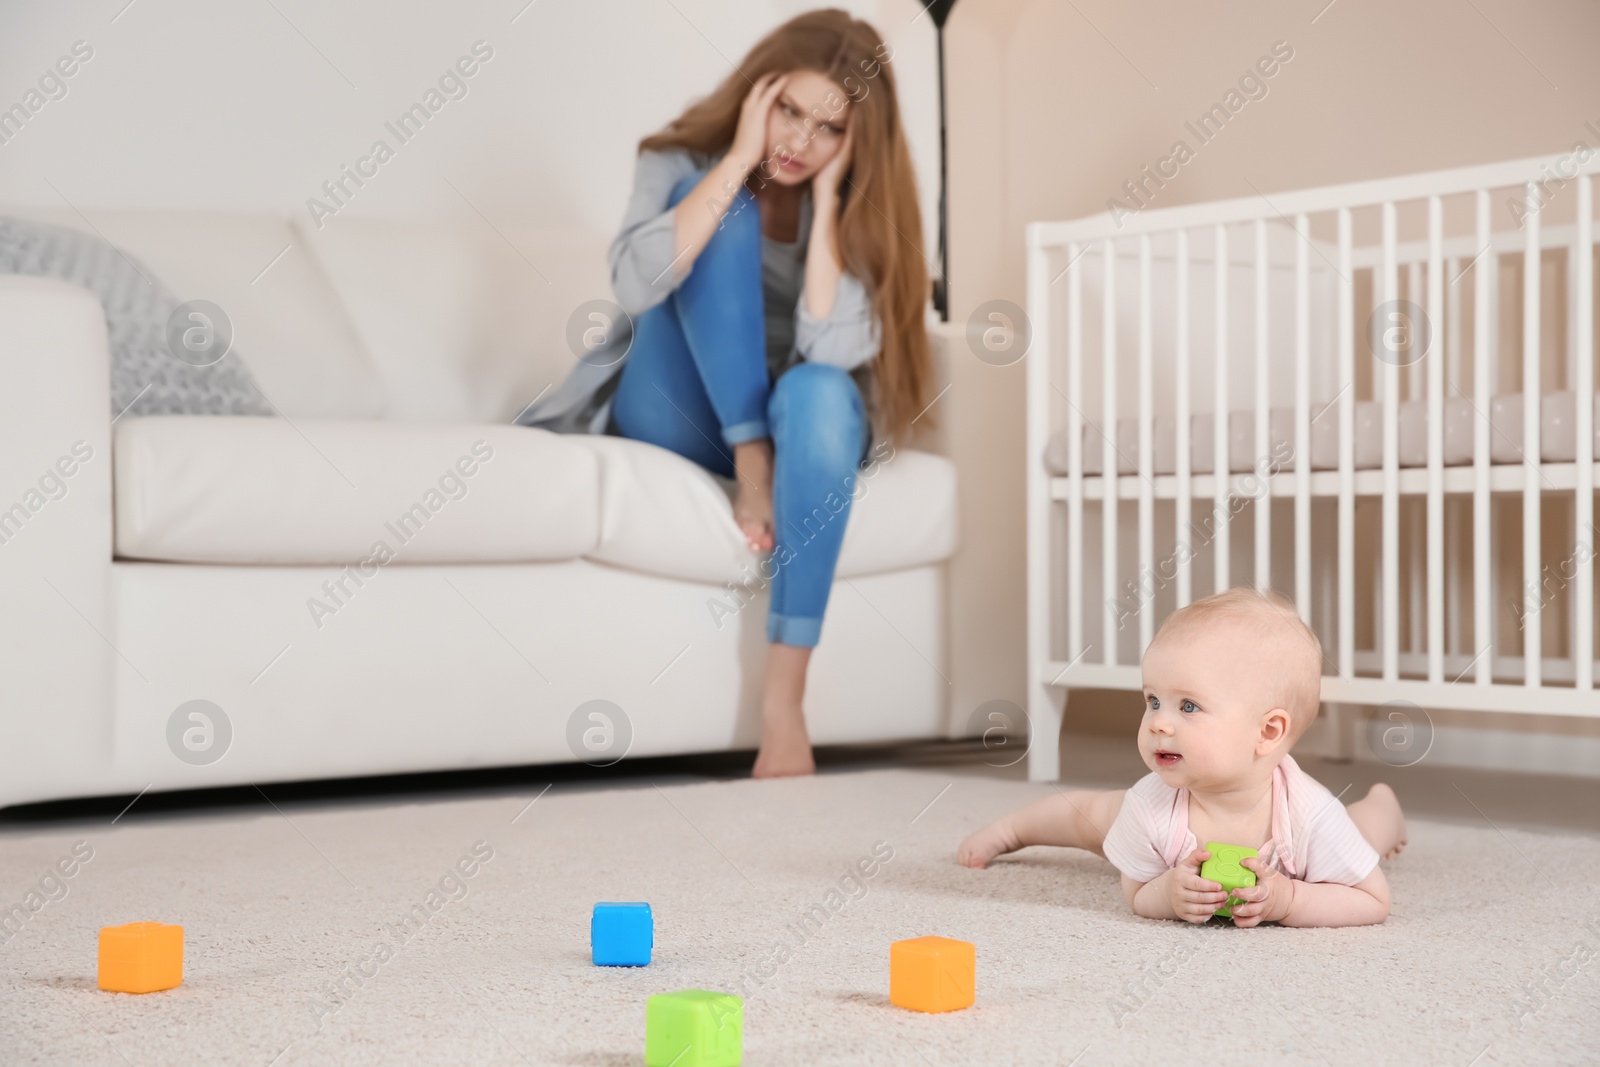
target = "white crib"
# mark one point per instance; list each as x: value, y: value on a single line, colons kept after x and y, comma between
x: 1415, y: 436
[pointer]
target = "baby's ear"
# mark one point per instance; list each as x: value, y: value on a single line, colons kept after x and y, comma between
x: 1277, y: 726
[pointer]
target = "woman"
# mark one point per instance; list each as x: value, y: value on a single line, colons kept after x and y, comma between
x: 770, y: 263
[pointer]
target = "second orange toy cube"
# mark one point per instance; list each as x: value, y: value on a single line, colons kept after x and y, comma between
x: 141, y: 957
x: 932, y: 974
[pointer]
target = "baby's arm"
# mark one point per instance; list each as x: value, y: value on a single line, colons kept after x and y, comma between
x: 1179, y: 893
x: 1275, y: 898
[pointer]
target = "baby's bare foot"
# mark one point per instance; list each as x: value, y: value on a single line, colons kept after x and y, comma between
x: 981, y: 846
x: 1382, y: 798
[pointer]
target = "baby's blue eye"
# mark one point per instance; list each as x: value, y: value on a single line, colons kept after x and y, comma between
x: 1189, y: 704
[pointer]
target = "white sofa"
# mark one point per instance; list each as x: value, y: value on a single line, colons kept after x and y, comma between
x: 185, y: 557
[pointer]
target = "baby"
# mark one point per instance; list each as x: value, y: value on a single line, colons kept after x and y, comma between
x: 1230, y: 683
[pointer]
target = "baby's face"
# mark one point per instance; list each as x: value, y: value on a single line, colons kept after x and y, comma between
x: 1203, y: 708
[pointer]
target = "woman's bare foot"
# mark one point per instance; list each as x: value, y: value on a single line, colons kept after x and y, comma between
x: 1377, y: 815
x: 785, y: 745
x: 981, y: 846
x: 752, y: 505
x: 785, y: 750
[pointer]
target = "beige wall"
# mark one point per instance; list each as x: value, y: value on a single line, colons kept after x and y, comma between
x: 1055, y: 104
x: 1091, y: 90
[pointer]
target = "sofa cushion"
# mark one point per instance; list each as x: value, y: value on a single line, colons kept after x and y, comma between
x: 289, y: 326
x: 667, y: 515
x: 218, y: 490
x: 466, y: 322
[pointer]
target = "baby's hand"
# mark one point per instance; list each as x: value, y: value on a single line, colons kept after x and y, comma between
x: 1193, y: 898
x: 1268, y: 900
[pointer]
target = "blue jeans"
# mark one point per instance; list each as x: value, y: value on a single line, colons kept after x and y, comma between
x: 696, y: 382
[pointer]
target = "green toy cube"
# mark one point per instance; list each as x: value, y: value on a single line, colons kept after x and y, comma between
x: 1225, y: 869
x: 693, y: 1028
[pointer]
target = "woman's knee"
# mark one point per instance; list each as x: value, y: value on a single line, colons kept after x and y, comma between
x: 817, y: 415
x: 819, y: 388
x: 684, y: 186
x: 742, y: 219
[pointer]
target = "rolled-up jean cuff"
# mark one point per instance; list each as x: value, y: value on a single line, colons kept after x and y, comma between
x: 741, y: 432
x: 793, y: 630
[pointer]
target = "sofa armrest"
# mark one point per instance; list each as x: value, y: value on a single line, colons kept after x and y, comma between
x: 55, y: 530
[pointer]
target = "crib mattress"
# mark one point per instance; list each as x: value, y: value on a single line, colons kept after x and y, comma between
x: 1558, y: 440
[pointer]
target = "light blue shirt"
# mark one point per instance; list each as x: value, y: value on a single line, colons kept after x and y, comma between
x: 644, y: 272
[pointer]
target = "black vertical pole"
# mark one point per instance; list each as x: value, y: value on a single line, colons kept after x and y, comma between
x: 941, y: 285
x: 940, y: 10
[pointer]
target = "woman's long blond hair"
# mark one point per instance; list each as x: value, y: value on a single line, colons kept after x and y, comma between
x: 880, y: 223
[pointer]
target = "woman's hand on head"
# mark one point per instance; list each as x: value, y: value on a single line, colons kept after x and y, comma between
x: 831, y: 176
x: 750, y: 139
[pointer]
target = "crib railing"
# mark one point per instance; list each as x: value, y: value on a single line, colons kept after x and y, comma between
x: 1075, y: 644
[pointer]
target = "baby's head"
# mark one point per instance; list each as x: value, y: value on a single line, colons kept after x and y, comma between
x: 1230, y: 683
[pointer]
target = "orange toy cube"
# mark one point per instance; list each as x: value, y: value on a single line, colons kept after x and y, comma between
x: 933, y: 974
x: 141, y: 957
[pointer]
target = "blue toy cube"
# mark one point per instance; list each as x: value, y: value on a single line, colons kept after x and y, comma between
x: 622, y: 935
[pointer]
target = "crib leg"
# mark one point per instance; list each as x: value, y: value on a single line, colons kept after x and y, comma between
x: 1343, y: 721
x: 1046, y: 704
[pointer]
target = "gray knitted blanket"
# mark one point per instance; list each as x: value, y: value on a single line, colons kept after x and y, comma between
x: 146, y: 377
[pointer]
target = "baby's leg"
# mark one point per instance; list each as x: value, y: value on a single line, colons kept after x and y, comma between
x: 1377, y: 815
x: 1070, y: 818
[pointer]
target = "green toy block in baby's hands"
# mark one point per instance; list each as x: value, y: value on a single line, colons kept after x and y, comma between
x: 1224, y: 867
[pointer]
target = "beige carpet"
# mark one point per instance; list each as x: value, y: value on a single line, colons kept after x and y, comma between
x: 1490, y: 956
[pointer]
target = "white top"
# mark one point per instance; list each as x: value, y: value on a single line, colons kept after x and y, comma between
x: 1313, y: 837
